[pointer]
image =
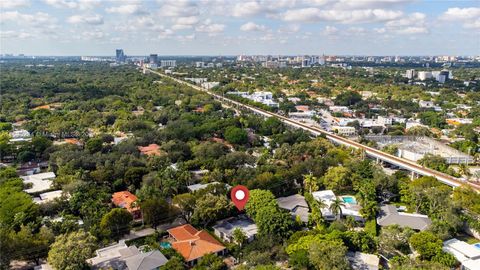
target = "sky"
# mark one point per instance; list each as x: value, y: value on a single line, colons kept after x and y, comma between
x: 233, y: 27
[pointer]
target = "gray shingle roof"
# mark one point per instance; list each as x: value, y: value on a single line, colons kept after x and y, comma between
x: 389, y: 216
x: 146, y: 261
x: 296, y: 204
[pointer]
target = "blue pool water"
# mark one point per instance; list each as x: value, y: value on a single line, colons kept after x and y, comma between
x: 165, y: 245
x: 477, y: 245
x: 349, y: 199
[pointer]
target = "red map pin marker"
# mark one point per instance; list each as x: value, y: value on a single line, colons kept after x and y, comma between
x: 239, y: 195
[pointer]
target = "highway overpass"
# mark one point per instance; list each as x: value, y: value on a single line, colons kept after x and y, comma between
x: 369, y: 151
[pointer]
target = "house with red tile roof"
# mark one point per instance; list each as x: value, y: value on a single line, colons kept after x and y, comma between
x: 125, y: 199
x: 193, y: 244
x: 150, y: 150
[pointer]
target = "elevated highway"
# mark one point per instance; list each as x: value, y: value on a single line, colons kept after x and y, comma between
x: 369, y: 151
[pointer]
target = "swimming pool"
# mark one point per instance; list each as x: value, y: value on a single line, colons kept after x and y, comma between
x: 349, y: 200
x: 165, y: 245
x: 477, y: 245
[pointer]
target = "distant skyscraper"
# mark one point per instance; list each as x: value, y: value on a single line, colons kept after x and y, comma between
x: 120, y: 56
x: 410, y: 73
x: 153, y: 59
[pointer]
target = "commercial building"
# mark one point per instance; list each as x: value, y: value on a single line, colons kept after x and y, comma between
x: 410, y: 73
x: 153, y: 59
x: 415, y: 148
x: 120, y: 56
x: 168, y: 63
x: 344, y: 131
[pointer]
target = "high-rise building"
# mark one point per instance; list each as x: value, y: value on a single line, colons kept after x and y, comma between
x: 423, y: 75
x: 168, y: 63
x: 410, y: 73
x: 153, y: 59
x: 120, y: 56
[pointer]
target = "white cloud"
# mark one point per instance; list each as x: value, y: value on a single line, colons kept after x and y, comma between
x: 257, y: 7
x: 87, y: 19
x: 179, y: 8
x: 8, y: 4
x: 246, y: 9
x: 182, y: 23
x: 15, y: 34
x: 413, y: 23
x: 251, y: 27
x: 128, y: 9
x: 470, y: 17
x: 61, y: 3
x: 330, y: 30
x: 79, y: 4
x: 412, y: 30
x: 93, y: 35
x: 39, y: 19
x: 341, y: 16
x: 461, y: 14
x: 289, y: 29
x: 368, y: 4
x: 210, y: 28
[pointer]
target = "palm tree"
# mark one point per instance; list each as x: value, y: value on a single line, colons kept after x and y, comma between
x: 464, y: 170
x: 336, y: 207
x: 310, y: 182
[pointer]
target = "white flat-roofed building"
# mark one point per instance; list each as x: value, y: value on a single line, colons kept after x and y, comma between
x: 350, y: 208
x: 168, y: 63
x: 196, y: 187
x: 468, y: 255
x: 327, y: 197
x: 335, y: 109
x: 423, y: 75
x: 40, y: 181
x: 225, y: 228
x: 210, y: 85
x: 48, y: 196
x: 345, y: 131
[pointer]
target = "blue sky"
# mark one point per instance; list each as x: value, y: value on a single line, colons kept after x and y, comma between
x: 230, y: 27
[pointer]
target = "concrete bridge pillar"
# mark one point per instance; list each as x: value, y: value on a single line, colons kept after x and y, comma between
x: 413, y: 176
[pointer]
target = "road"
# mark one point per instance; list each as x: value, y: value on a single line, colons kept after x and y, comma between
x: 372, y: 152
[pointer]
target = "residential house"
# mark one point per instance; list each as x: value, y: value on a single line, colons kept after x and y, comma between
x: 468, y: 255
x: 349, y: 207
x: 296, y: 205
x: 122, y: 257
x: 20, y: 135
x: 197, y: 187
x: 125, y: 199
x: 39, y: 182
x: 48, y: 196
x: 327, y: 197
x: 193, y: 244
x: 29, y: 168
x: 150, y: 150
x: 224, y: 229
x: 389, y: 215
x: 363, y: 261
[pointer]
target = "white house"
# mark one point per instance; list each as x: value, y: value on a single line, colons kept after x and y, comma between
x: 224, y: 228
x: 467, y: 255
x: 40, y: 181
x: 350, y: 207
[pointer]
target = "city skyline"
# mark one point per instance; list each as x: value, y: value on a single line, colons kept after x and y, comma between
x: 214, y: 27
